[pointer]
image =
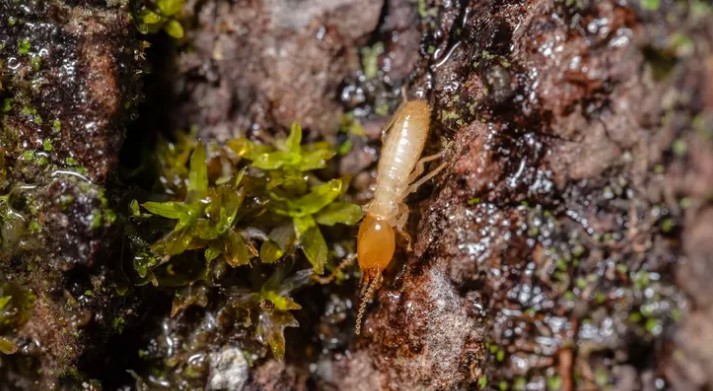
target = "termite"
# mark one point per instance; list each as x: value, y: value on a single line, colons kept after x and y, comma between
x: 397, y: 175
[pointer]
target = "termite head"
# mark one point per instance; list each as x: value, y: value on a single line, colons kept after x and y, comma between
x: 376, y: 244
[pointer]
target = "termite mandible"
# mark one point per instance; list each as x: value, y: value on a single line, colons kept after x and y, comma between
x: 397, y: 176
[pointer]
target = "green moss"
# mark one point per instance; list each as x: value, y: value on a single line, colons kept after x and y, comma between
x: 7, y: 104
x: 370, y: 60
x: 15, y: 307
x: 109, y: 216
x: 34, y: 227
x: 449, y: 115
x: 554, y: 383
x: 679, y: 148
x: 519, y: 384
x: 351, y: 126
x: 42, y: 160
x: 159, y: 15
x: 26, y: 110
x: 650, y: 5
x: 474, y: 201
x: 118, y: 324
x: 345, y: 147
x: 296, y: 204
x: 97, y: 220
x: 12, y: 224
x: 426, y: 12
x: 47, y: 145
x: 240, y: 209
x: 667, y: 225
x: 36, y: 62
x: 23, y: 47
x: 265, y: 208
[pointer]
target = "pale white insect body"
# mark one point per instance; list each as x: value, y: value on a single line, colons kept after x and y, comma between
x: 405, y: 139
x: 398, y: 169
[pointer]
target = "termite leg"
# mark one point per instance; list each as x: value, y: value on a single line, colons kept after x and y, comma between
x: 401, y: 220
x: 421, y: 164
x: 414, y: 186
x: 365, y: 299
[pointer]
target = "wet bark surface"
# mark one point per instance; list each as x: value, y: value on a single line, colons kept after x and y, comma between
x: 567, y: 244
x: 69, y: 78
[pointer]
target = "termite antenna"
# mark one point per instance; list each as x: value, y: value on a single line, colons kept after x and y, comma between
x: 340, y: 268
x: 366, y: 299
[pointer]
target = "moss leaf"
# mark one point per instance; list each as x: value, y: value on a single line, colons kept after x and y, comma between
x: 275, y: 160
x: 198, y: 174
x: 302, y: 224
x: 149, y: 18
x: 206, y: 230
x: 315, y: 249
x: 280, y: 302
x: 170, y: 7
x: 280, y: 240
x: 270, y: 252
x: 271, y: 330
x: 339, y: 212
x: 315, y: 160
x: 7, y: 346
x: 169, y: 210
x: 174, y: 29
x: 213, y: 251
x: 188, y: 296
x: 311, y: 203
x: 134, y: 208
x: 175, y: 242
x: 237, y: 252
x: 293, y: 141
x: 144, y: 263
x: 16, y: 306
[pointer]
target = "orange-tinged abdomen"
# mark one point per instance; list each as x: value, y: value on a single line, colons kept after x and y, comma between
x: 376, y: 244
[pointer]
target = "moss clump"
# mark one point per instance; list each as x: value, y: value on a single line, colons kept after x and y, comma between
x: 240, y: 212
x: 153, y: 16
x: 271, y: 306
x: 12, y: 224
x: 15, y: 307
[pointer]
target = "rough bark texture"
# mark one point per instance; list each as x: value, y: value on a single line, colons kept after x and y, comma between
x: 567, y: 245
x: 69, y: 73
x: 270, y: 63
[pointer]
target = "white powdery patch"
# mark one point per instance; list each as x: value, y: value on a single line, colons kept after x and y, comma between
x: 228, y: 369
x: 448, y: 329
x: 449, y: 326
